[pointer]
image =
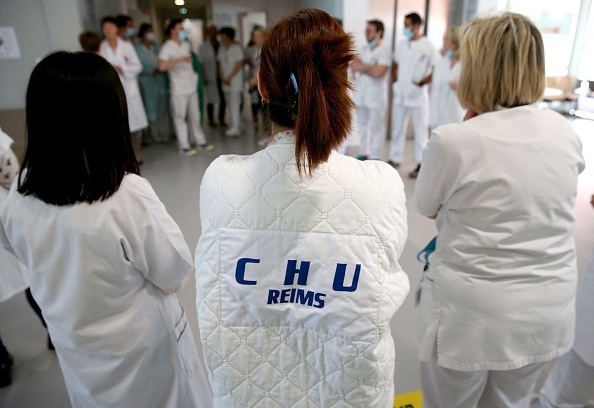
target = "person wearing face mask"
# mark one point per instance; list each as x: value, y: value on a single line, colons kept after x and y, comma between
x: 176, y: 59
x: 123, y: 57
x: 125, y: 27
x: 152, y: 84
x: 413, y: 70
x: 445, y: 106
x: 371, y: 68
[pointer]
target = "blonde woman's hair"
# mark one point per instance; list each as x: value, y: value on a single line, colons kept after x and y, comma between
x: 502, y: 63
x: 454, y: 33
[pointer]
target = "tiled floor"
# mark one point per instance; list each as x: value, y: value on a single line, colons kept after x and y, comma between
x: 37, y: 380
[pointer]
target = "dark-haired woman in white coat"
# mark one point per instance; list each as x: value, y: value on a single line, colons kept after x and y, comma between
x: 104, y: 256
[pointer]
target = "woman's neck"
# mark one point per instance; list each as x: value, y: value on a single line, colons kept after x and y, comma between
x: 276, y: 128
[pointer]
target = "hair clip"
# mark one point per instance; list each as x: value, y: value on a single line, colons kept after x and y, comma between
x: 294, y: 80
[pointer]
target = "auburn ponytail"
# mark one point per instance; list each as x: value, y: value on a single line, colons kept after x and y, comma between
x: 312, y: 47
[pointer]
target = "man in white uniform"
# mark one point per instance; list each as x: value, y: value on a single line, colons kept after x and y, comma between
x: 176, y: 59
x: 414, y: 61
x: 372, y: 67
x: 231, y: 60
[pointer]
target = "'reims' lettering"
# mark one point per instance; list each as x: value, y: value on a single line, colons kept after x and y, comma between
x: 294, y: 295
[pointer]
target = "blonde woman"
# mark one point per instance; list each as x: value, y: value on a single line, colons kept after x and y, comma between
x: 498, y: 298
x: 444, y: 103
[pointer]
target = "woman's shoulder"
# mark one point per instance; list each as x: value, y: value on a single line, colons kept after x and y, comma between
x: 376, y: 171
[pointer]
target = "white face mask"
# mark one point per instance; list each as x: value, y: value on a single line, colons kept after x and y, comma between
x: 150, y: 37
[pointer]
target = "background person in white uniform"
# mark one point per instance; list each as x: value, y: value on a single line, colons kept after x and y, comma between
x: 207, y: 55
x: 571, y: 382
x: 444, y: 103
x: 498, y: 298
x: 372, y: 65
x: 175, y: 58
x: 123, y: 57
x: 103, y: 255
x: 414, y: 61
x: 298, y: 204
x: 231, y: 59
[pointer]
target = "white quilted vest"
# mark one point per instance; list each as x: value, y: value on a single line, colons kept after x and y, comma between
x: 297, y: 280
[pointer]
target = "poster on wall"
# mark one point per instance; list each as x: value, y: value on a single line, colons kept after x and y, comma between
x: 9, y: 46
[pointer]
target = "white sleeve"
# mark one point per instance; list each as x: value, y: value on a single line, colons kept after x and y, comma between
x: 132, y: 65
x: 9, y: 167
x: 158, y: 250
x: 164, y: 54
x: 436, y: 176
x: 385, y: 57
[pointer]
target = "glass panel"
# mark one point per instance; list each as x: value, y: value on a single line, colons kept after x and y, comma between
x: 586, y: 68
x: 557, y: 21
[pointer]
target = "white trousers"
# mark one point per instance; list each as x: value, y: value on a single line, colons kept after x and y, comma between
x: 420, y: 122
x: 371, y: 131
x: 443, y: 387
x: 569, y: 385
x: 233, y: 101
x: 183, y: 106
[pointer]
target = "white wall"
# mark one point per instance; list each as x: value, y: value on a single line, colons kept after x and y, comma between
x: 333, y: 7
x: 227, y: 12
x: 41, y: 26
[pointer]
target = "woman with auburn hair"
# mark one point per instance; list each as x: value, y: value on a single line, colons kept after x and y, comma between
x: 497, y: 301
x: 297, y: 266
x: 104, y: 257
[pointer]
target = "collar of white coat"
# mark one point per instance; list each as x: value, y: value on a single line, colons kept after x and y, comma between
x: 284, y: 137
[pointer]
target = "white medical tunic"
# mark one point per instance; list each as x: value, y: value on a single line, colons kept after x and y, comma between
x: 228, y: 58
x: 444, y: 103
x: 297, y: 279
x: 101, y: 274
x: 500, y: 291
x: 182, y: 76
x: 13, y: 274
x: 124, y: 55
x: 415, y: 61
x: 372, y: 92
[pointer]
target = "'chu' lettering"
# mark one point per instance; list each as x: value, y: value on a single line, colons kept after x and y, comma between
x: 292, y: 270
x: 240, y: 271
x: 339, y: 276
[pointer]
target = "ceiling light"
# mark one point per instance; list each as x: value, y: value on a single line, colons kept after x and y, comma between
x: 179, y: 2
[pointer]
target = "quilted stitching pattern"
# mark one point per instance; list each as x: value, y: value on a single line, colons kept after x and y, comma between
x: 289, y: 367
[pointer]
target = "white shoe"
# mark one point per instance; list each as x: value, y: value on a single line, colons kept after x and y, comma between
x: 232, y: 133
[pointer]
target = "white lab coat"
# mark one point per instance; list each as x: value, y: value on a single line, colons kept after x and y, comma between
x: 13, y: 274
x: 499, y: 293
x: 444, y: 105
x: 102, y: 274
x: 584, y: 330
x: 124, y: 55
